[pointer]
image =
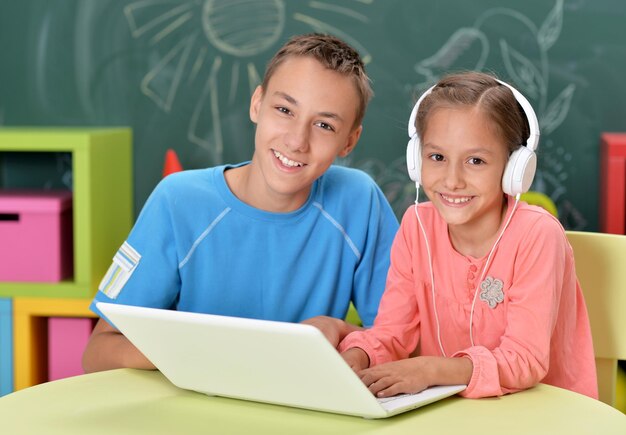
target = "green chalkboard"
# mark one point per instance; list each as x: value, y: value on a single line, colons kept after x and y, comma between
x: 180, y: 73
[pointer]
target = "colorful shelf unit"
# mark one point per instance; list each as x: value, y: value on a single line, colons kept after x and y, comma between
x: 30, y: 334
x: 6, y: 347
x: 613, y: 183
x: 102, y: 200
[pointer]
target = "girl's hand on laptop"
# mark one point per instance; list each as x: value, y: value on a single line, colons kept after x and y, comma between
x: 403, y: 376
x: 333, y: 329
x: 413, y: 375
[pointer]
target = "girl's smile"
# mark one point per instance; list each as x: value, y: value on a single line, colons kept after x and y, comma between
x: 454, y: 200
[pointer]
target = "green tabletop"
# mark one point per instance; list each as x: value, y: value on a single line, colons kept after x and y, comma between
x: 130, y: 401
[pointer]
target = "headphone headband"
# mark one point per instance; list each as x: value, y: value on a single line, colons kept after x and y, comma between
x: 533, y: 124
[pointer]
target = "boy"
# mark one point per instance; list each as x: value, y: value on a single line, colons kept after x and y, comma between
x: 284, y: 237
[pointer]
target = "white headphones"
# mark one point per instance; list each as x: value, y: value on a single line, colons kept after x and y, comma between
x: 522, y: 163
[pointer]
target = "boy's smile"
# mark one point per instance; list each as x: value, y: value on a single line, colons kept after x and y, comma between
x: 287, y: 163
x: 305, y: 119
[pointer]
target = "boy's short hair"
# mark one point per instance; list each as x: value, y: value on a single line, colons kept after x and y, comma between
x: 332, y: 53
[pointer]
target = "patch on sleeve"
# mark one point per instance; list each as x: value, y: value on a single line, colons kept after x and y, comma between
x: 124, y: 263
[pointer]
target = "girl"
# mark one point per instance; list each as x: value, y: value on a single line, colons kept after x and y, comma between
x: 481, y: 287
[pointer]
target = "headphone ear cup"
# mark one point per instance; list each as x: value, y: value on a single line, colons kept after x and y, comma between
x: 414, y: 159
x: 519, y: 171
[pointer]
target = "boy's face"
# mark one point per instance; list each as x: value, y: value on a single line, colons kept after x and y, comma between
x: 463, y: 162
x: 305, y: 119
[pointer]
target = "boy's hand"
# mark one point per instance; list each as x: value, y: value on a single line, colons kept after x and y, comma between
x: 108, y: 349
x: 333, y: 329
x: 356, y: 358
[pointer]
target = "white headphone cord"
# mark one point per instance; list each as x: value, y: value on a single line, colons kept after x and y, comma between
x: 432, y: 278
x: 482, y: 275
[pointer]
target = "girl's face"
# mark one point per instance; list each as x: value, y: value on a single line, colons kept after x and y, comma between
x: 463, y: 162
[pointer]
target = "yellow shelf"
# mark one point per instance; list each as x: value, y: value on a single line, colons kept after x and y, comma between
x: 29, y: 334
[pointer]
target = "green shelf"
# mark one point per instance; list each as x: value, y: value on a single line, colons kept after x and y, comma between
x: 102, y: 200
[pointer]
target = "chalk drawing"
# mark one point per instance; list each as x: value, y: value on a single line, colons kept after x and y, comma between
x: 488, y: 45
x: 218, y: 39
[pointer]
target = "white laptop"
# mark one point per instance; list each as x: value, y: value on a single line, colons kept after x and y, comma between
x: 281, y: 363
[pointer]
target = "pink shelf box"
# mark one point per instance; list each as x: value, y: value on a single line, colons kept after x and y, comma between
x: 67, y: 338
x: 36, y: 236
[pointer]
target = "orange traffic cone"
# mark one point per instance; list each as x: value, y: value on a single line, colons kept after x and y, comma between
x: 172, y: 164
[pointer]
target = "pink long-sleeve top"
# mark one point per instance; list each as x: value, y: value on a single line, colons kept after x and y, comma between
x: 536, y: 331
